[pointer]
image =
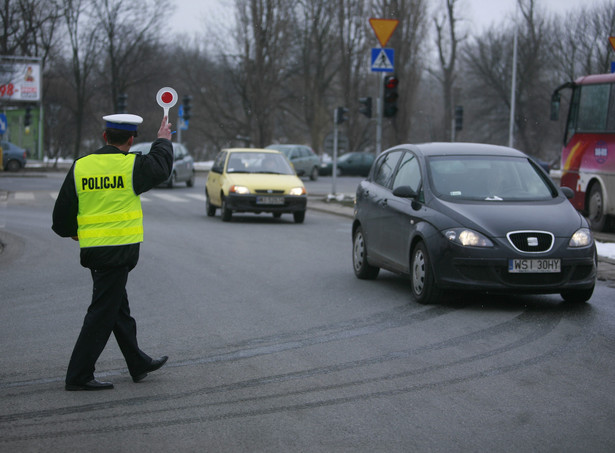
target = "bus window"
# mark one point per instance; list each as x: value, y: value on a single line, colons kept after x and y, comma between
x: 593, y: 108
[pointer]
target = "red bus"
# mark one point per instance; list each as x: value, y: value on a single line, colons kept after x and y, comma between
x: 588, y: 154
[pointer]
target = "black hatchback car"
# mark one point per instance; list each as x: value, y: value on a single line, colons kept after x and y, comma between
x: 463, y: 216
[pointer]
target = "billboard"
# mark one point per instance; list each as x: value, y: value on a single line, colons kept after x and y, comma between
x: 20, y: 81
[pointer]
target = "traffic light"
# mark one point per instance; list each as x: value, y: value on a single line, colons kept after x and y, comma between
x: 390, y: 96
x: 340, y: 115
x: 122, y: 103
x: 27, y: 119
x: 187, y: 104
x: 458, y: 117
x: 366, y: 109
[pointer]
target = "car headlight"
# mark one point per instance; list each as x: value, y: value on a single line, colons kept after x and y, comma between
x: 581, y: 238
x: 467, y: 238
x: 241, y: 190
x: 296, y: 191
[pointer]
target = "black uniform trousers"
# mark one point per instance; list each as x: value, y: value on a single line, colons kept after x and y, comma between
x: 108, y: 312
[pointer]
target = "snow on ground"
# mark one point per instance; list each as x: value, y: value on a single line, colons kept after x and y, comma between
x: 606, y: 249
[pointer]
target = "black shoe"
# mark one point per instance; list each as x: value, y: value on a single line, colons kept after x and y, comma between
x: 155, y: 365
x: 91, y: 385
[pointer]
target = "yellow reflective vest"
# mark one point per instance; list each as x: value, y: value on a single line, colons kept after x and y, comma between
x: 109, y: 210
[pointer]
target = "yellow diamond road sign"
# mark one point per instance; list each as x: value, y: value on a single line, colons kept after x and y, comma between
x: 383, y: 28
x: 612, y: 41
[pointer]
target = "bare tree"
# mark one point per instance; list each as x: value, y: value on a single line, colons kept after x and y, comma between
x: 263, y: 34
x: 447, y: 42
x: 84, y: 57
x: 128, y: 44
x: 316, y: 67
x: 580, y: 41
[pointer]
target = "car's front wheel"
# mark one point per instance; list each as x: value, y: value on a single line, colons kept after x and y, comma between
x: 190, y: 181
x: 227, y: 213
x: 577, y: 296
x: 299, y: 216
x: 424, y: 288
x: 210, y: 208
x: 362, y: 269
x: 172, y: 180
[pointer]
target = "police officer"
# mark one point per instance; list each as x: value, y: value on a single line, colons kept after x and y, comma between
x: 99, y: 206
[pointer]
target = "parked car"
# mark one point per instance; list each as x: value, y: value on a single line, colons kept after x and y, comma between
x: 471, y: 217
x: 13, y: 157
x: 351, y: 164
x: 183, y: 163
x: 254, y: 180
x: 305, y: 161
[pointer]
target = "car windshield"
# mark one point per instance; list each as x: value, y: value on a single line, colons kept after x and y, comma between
x: 252, y: 162
x: 489, y: 178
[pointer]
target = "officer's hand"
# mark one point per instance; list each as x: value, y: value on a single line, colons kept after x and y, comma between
x: 75, y: 238
x: 165, y: 129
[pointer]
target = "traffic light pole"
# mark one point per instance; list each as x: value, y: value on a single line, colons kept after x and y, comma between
x: 334, y: 166
x: 379, y: 113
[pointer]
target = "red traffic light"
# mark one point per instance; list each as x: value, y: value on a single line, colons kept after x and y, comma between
x: 391, y: 82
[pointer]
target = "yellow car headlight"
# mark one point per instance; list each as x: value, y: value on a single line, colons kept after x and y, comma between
x: 297, y: 191
x: 241, y: 190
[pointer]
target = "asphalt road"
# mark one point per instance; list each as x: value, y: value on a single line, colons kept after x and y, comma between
x: 275, y: 346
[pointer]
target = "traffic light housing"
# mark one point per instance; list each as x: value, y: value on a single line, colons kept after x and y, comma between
x: 366, y: 109
x: 187, y: 105
x: 27, y: 119
x: 122, y: 103
x: 458, y: 117
x: 340, y: 115
x: 390, y: 96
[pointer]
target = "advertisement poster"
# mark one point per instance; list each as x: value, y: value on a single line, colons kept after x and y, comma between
x: 20, y: 81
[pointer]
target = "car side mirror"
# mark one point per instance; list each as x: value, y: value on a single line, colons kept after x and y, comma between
x: 404, y: 192
x: 568, y: 192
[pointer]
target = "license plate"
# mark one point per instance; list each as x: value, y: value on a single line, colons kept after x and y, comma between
x: 535, y: 266
x: 270, y: 200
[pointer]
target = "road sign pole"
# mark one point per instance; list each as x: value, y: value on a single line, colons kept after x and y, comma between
x: 379, y: 112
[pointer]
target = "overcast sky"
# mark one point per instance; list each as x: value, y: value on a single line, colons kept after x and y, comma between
x: 191, y: 15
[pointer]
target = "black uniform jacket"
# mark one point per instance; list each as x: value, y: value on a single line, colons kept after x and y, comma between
x: 149, y: 170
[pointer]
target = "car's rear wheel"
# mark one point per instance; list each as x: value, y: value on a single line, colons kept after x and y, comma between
x: 210, y: 208
x: 424, y: 288
x: 597, y: 217
x: 13, y: 165
x: 227, y: 214
x: 314, y: 174
x: 362, y: 268
x: 277, y: 215
x: 577, y: 296
x: 299, y: 216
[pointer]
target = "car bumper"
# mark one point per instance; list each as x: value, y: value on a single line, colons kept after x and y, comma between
x: 456, y: 271
x: 258, y: 203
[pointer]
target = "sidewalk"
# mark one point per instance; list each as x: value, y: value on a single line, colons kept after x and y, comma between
x: 606, y: 266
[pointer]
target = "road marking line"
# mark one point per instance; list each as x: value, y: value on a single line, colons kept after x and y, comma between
x: 24, y: 196
x: 168, y: 197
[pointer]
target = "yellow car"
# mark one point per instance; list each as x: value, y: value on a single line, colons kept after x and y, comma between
x: 254, y: 180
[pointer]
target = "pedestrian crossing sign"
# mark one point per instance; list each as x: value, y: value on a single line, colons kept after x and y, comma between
x: 383, y: 59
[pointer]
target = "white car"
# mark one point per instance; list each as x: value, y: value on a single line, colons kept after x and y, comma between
x: 183, y: 163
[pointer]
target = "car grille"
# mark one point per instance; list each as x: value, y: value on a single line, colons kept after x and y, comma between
x: 531, y: 241
x: 269, y: 191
